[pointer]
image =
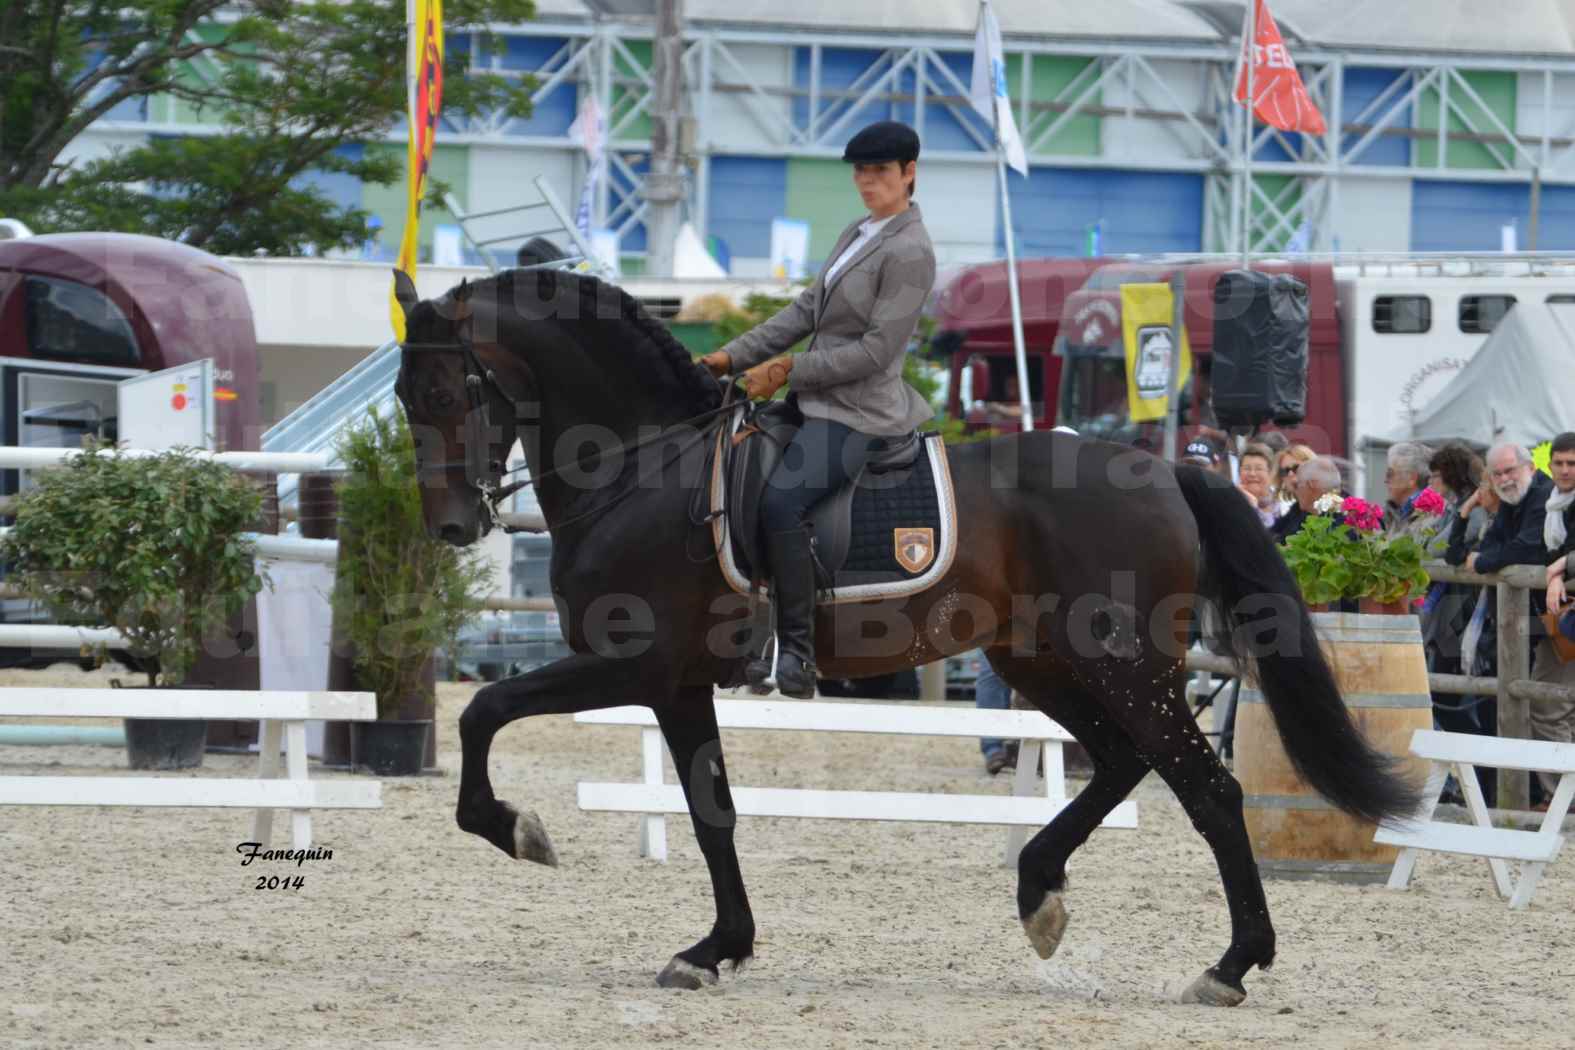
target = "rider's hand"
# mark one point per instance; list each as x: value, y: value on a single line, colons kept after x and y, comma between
x: 767, y: 378
x: 718, y: 363
x: 1556, y: 594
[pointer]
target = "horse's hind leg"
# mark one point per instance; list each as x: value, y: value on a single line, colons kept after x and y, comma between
x: 688, y: 722
x: 1213, y: 801
x: 1041, y: 867
x: 1168, y: 737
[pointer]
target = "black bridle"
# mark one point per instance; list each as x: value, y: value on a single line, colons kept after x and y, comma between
x: 485, y: 475
x: 482, y: 473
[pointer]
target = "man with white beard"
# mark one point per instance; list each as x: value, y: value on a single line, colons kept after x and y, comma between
x: 1516, y: 537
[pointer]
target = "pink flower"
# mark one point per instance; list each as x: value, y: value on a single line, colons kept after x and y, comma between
x: 1429, y: 502
x: 1362, y: 515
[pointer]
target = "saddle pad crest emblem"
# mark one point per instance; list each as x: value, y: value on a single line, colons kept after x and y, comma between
x: 915, y: 548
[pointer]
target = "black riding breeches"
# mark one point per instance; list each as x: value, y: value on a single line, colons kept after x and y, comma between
x: 822, y: 457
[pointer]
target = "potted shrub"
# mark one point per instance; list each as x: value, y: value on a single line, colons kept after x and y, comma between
x: 398, y: 594
x: 150, y: 546
x: 1343, y: 553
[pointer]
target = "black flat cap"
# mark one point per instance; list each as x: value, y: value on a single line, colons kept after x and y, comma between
x: 878, y: 143
x: 1204, y: 452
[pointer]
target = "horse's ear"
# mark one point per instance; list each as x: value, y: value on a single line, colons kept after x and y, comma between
x: 405, y: 292
x: 455, y: 306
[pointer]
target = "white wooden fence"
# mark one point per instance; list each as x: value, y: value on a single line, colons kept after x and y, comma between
x: 283, y: 717
x: 1028, y: 807
x: 1462, y: 753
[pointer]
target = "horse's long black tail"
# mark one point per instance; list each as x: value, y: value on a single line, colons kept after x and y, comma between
x: 1262, y: 615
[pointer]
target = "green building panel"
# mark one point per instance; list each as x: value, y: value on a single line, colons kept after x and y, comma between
x: 628, y: 88
x: 821, y: 193
x: 1048, y: 77
x: 1498, y: 91
x: 450, y: 164
x: 1286, y: 192
x: 198, y: 73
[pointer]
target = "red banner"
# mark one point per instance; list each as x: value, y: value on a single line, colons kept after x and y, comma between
x: 1278, y: 95
x: 429, y: 84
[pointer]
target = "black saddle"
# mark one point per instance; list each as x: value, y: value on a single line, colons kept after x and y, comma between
x: 754, y: 453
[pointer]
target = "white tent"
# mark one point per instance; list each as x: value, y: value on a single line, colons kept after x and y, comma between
x: 690, y: 258
x: 1519, y: 387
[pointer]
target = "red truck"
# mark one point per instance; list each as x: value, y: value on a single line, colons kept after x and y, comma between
x: 1076, y: 361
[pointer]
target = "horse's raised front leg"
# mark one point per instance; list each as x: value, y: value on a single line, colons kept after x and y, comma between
x: 582, y: 682
x: 688, y: 722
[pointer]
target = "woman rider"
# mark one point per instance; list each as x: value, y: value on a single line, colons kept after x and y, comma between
x: 858, y: 315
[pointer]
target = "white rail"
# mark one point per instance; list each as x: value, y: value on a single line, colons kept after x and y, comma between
x: 15, y: 458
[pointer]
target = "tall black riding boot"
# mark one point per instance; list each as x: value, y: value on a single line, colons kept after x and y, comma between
x: 793, y: 595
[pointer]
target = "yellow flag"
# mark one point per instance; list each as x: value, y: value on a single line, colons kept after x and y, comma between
x: 1145, y: 331
x: 425, y: 104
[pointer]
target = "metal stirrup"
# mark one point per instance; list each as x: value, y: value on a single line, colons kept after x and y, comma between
x: 772, y: 651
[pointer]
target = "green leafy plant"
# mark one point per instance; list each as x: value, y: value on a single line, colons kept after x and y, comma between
x: 298, y: 91
x: 1351, y: 557
x: 399, y: 593
x: 148, y: 545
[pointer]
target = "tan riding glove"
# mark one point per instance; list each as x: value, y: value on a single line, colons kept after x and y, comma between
x: 718, y: 363
x: 765, y: 379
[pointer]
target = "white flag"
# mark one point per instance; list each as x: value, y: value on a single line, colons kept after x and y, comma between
x: 988, y: 92
x: 590, y: 127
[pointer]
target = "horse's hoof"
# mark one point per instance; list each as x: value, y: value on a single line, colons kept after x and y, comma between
x: 530, y: 839
x: 685, y: 975
x: 1046, y: 925
x: 1209, y: 990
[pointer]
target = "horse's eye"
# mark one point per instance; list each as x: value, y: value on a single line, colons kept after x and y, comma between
x: 441, y: 400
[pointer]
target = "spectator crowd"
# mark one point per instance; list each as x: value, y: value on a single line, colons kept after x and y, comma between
x: 1499, y: 511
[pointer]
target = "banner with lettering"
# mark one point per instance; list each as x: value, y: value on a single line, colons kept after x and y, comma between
x: 1279, y: 97
x: 1145, y: 334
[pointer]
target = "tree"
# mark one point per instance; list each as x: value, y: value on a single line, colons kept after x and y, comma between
x: 288, y: 83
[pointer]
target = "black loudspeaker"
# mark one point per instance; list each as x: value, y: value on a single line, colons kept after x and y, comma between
x: 1260, y: 349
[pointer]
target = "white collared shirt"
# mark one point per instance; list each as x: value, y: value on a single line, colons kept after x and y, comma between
x: 869, y: 229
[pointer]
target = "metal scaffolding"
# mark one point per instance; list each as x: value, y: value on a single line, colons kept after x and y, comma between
x: 1296, y: 185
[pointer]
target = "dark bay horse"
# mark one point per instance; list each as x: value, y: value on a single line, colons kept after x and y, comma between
x: 1077, y: 570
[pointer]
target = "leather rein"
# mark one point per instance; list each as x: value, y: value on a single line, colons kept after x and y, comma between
x: 485, y: 475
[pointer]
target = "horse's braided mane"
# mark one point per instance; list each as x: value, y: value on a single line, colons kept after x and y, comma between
x: 665, y: 360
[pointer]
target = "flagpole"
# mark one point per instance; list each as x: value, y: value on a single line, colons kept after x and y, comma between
x: 1023, y: 395
x: 1249, y: 48
x: 1011, y: 284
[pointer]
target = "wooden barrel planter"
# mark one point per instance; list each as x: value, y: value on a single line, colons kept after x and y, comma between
x: 1382, y: 672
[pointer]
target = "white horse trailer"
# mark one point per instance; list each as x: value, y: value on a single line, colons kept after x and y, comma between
x: 1408, y: 327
